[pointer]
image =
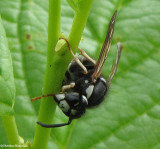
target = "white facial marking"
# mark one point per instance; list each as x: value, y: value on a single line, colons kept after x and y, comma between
x: 103, y: 80
x: 85, y: 99
x: 86, y: 81
x: 64, y: 106
x: 89, y: 91
x: 73, y: 112
x: 60, y: 96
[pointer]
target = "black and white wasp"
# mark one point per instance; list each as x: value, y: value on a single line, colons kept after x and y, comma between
x: 83, y: 86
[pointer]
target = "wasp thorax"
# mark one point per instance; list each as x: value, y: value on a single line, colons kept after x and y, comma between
x: 93, y: 91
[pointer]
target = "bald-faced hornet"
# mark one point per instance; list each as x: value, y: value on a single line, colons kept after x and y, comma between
x: 83, y: 86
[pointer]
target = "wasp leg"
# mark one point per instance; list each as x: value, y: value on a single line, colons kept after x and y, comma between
x: 75, y: 58
x: 66, y: 87
x: 115, y: 66
x: 83, y: 53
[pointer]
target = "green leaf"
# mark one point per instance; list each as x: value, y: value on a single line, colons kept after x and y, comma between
x: 129, y: 117
x: 73, y: 4
x: 77, y: 4
x: 7, y: 86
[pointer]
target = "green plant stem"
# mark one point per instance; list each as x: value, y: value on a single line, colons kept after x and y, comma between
x: 79, y: 23
x: 11, y: 129
x: 47, y: 107
x: 57, y: 64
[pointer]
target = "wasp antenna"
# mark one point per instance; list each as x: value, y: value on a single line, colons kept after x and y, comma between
x: 54, y: 125
x: 36, y: 98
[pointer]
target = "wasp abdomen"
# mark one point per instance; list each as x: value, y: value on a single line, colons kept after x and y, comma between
x: 98, y: 93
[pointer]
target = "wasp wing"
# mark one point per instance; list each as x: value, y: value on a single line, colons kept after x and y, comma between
x: 115, y: 66
x: 105, y: 48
